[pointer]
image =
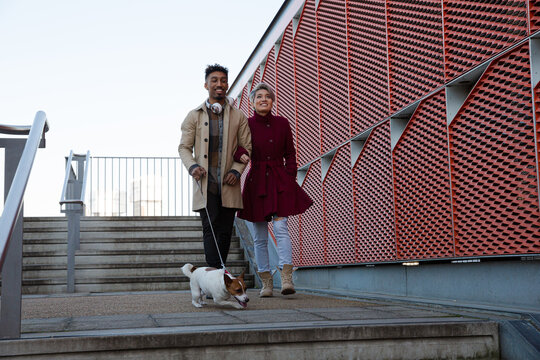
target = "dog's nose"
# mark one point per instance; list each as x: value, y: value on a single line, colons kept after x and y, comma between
x: 247, y: 300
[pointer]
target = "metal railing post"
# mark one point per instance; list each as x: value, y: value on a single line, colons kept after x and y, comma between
x: 19, y: 158
x: 10, y: 307
x: 73, y: 199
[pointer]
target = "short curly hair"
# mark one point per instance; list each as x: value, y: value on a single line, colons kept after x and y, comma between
x: 213, y: 68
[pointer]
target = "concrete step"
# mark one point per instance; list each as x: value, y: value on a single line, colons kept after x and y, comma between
x: 126, y: 257
x: 122, y: 245
x: 114, y: 284
x: 166, y: 336
x: 32, y: 224
x: 118, y: 270
x: 117, y: 254
x: 117, y: 234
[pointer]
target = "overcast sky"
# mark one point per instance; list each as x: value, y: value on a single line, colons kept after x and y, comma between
x: 115, y: 77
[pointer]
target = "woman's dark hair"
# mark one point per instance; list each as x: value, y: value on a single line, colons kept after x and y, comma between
x: 216, y: 67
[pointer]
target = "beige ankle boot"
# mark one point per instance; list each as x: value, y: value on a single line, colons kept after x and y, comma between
x: 268, y: 284
x: 287, y: 286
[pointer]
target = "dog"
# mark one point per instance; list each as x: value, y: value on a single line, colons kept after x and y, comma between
x: 216, y: 283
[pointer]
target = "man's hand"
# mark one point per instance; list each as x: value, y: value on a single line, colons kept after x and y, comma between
x: 230, y: 179
x: 198, y: 173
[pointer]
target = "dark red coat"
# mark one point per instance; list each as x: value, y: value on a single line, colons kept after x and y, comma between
x: 270, y: 186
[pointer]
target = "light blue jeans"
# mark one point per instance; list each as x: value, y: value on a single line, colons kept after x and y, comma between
x: 283, y: 240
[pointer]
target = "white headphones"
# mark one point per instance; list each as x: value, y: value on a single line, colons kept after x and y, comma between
x: 215, y: 107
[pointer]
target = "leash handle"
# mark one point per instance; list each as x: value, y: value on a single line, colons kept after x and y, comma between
x: 210, y: 223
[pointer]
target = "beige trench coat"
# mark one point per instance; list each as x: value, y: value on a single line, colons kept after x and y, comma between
x: 193, y: 149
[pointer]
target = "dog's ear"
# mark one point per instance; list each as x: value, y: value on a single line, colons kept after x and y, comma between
x: 241, y: 276
x: 227, y: 279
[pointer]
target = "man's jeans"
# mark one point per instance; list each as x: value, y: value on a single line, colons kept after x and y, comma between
x: 222, y: 220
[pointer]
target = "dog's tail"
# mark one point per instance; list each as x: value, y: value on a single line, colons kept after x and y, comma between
x: 188, y: 269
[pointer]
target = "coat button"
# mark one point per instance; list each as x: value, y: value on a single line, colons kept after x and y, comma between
x: 266, y: 174
x: 205, y: 156
x: 205, y: 140
x: 267, y: 125
x: 205, y: 123
x: 268, y: 158
x: 271, y: 140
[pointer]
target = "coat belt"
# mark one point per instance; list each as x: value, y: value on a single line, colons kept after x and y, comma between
x: 265, y: 169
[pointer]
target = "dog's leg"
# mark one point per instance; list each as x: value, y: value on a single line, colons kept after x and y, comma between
x: 196, y: 295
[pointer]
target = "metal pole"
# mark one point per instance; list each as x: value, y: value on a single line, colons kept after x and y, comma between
x: 10, y: 308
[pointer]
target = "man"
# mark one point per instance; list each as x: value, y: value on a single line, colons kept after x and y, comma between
x: 210, y: 135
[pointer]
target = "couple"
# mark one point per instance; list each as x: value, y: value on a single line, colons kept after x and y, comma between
x: 216, y: 144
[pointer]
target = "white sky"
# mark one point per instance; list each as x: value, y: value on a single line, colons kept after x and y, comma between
x: 115, y: 77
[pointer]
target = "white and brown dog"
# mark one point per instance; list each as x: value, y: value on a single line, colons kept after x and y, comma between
x: 216, y: 283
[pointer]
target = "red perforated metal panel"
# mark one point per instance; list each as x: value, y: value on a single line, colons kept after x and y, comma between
x: 475, y: 31
x: 415, y: 50
x: 422, y: 184
x: 244, y: 176
x: 293, y: 223
x: 368, y: 63
x: 333, y: 72
x: 269, y: 75
x: 374, y: 227
x: 537, y: 118
x: 244, y: 102
x: 285, y: 80
x: 338, y: 209
x: 493, y: 160
x: 256, y: 78
x: 311, y: 229
x: 534, y: 15
x: 307, y: 97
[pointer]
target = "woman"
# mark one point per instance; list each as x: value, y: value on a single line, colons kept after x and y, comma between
x: 271, y: 192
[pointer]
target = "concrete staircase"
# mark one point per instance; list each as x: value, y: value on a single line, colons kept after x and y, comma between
x: 117, y: 254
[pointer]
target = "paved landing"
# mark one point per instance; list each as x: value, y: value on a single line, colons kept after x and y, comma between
x: 163, y: 312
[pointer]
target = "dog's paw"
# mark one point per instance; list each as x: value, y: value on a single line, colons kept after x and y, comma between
x: 197, y: 305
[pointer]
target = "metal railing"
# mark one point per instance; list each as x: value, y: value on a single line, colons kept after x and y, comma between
x: 72, y: 204
x: 138, y: 186
x: 19, y: 158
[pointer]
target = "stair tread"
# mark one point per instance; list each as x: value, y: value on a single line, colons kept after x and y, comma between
x: 114, y: 246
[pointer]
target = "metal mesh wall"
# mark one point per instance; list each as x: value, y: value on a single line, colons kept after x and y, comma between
x: 311, y: 228
x: 338, y: 209
x: 256, y: 77
x: 333, y: 74
x: 285, y: 80
x: 269, y: 75
x: 368, y: 63
x: 534, y: 15
x: 244, y: 102
x: 373, y: 199
x: 474, y: 31
x: 464, y: 189
x: 537, y: 118
x: 415, y: 50
x: 306, y: 96
x: 293, y: 224
x: 493, y: 160
x: 422, y: 184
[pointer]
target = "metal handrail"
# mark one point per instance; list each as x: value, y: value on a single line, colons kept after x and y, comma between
x: 80, y: 200
x: 19, y: 129
x: 14, y: 200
